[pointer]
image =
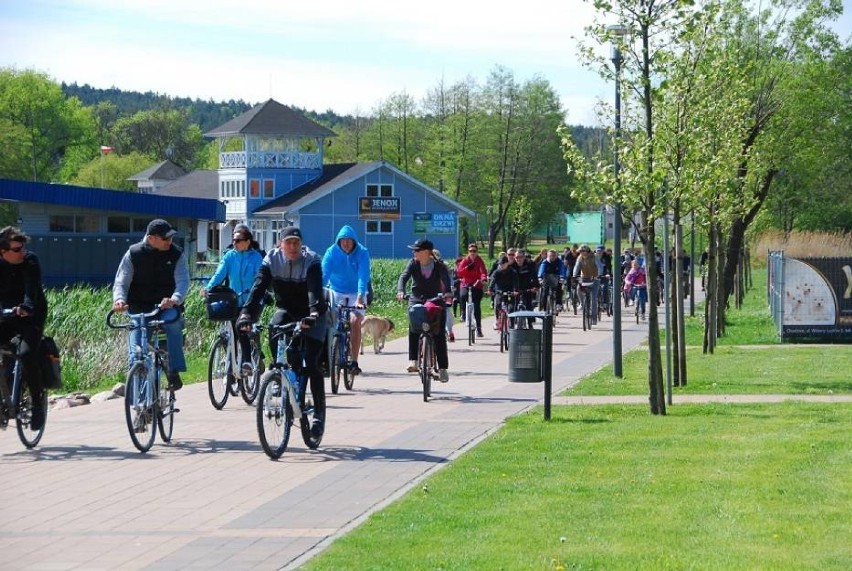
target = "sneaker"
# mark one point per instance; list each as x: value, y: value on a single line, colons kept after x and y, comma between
x: 354, y: 368
x: 317, y: 426
x: 412, y: 367
x: 451, y: 338
x: 175, y: 383
x: 37, y: 418
x: 479, y: 333
x: 443, y: 376
x: 246, y: 370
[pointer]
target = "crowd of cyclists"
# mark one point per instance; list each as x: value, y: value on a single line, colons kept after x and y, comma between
x: 304, y: 286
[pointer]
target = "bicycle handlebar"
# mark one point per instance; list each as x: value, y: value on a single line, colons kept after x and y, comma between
x: 144, y: 317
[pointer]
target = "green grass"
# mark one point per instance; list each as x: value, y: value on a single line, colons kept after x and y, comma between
x: 705, y: 487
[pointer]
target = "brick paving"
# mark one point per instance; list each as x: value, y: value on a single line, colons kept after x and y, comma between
x: 86, y: 499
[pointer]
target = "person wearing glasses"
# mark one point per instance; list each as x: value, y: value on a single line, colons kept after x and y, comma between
x: 21, y: 290
x: 473, y: 274
x: 154, y: 272
x: 237, y: 269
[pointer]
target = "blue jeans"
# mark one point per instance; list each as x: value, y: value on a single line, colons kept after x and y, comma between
x: 174, y: 341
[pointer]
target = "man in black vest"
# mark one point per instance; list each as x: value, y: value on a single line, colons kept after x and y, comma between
x: 154, y: 273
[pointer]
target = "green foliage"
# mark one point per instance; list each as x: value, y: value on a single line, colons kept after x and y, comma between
x: 112, y: 171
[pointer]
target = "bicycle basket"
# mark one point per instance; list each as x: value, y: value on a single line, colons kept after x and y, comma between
x: 222, y: 304
x: 551, y: 280
x: 425, y: 318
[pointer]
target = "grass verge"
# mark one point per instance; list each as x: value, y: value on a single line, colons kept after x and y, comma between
x: 705, y: 487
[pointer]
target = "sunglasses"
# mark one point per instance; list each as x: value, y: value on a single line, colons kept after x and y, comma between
x: 237, y: 240
x: 16, y: 249
x: 473, y: 251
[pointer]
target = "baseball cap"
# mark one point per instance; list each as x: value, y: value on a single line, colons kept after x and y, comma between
x: 422, y: 244
x: 600, y: 247
x: 290, y: 232
x: 161, y: 228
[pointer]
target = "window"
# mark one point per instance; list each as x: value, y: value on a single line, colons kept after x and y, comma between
x: 79, y: 224
x: 268, y: 188
x: 254, y: 187
x: 118, y: 225
x: 379, y: 190
x: 379, y: 227
x: 61, y: 223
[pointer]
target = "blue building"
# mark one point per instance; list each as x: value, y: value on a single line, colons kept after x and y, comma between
x: 271, y: 175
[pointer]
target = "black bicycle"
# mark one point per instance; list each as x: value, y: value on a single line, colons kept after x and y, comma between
x: 341, y: 357
x: 149, y: 402
x: 282, y: 395
x: 16, y: 400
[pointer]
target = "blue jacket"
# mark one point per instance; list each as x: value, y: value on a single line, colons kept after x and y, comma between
x: 240, y: 268
x: 347, y: 273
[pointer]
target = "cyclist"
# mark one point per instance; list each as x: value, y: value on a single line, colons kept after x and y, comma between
x: 429, y: 278
x: 472, y: 272
x: 552, y: 265
x: 294, y: 272
x: 503, y: 280
x: 154, y: 272
x: 238, y: 266
x: 527, y: 280
x: 346, y: 272
x: 587, y: 270
x: 635, y: 283
x: 603, y: 260
x: 21, y: 289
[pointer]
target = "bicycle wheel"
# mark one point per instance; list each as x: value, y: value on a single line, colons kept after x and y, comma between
x: 308, y: 419
x: 218, y: 375
x: 274, y: 415
x: 250, y: 384
x: 502, y: 327
x: 338, y: 365
x: 426, y: 366
x: 471, y: 324
x: 139, y: 408
x: 348, y: 376
x: 165, y: 408
x: 23, y: 419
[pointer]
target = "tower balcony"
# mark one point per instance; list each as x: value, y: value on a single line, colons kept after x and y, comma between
x: 270, y: 160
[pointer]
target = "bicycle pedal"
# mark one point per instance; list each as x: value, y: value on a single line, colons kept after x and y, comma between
x: 174, y: 410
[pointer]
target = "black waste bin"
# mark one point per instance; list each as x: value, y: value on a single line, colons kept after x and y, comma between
x: 525, y: 356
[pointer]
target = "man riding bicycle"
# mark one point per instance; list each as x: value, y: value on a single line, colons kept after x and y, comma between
x: 21, y: 289
x: 429, y: 279
x: 346, y: 270
x: 294, y: 272
x: 553, y: 266
x: 153, y: 273
x: 586, y: 269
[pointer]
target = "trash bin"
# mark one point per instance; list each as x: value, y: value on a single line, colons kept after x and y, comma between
x: 525, y: 355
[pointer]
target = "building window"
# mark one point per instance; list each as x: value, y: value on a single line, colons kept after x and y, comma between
x: 268, y: 188
x: 379, y: 227
x: 118, y: 225
x: 254, y: 187
x: 379, y: 190
x: 61, y: 223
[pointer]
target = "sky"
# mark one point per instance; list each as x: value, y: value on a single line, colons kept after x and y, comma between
x: 342, y: 55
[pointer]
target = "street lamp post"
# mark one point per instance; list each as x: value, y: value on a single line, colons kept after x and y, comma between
x: 617, y: 31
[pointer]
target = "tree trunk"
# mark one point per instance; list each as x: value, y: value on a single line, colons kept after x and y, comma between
x: 680, y: 287
x: 656, y: 391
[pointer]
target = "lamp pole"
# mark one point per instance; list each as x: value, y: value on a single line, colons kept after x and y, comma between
x: 617, y: 31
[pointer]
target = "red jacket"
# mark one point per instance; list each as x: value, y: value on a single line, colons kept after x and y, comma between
x: 469, y: 271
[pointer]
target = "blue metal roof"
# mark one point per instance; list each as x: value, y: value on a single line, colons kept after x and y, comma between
x: 116, y: 200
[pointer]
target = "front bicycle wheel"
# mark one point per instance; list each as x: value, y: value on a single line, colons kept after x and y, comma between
x: 274, y: 415
x: 338, y: 365
x: 23, y: 418
x: 219, y: 376
x: 165, y: 408
x: 251, y: 384
x: 139, y: 408
x: 471, y: 324
x: 426, y: 367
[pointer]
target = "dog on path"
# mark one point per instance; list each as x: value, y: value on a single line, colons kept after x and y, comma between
x: 377, y: 328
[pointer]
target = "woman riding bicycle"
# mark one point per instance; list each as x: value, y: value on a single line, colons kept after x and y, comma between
x: 429, y: 278
x: 239, y: 267
x: 21, y: 289
x: 635, y: 282
x: 473, y: 274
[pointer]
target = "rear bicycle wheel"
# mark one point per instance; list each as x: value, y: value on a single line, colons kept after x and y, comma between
x: 139, y: 409
x: 338, y: 365
x: 165, y: 408
x: 274, y: 414
x: 251, y: 384
x: 23, y: 418
x: 218, y: 373
x: 425, y: 364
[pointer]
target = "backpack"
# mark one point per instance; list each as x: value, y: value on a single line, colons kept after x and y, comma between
x: 50, y: 363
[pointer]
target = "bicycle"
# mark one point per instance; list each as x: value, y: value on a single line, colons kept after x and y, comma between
x: 17, y: 401
x: 549, y: 300
x: 507, y: 303
x: 225, y: 355
x: 470, y: 318
x: 282, y: 395
x: 341, y: 357
x: 604, y: 297
x: 585, y: 287
x: 640, y: 295
x: 427, y: 362
x: 146, y: 398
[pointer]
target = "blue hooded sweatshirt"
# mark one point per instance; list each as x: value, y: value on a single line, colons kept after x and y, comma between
x: 347, y: 273
x: 240, y: 268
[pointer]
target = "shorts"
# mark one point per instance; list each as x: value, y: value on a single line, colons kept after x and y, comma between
x: 336, y: 298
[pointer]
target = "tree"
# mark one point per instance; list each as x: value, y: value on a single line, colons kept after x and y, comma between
x: 160, y: 134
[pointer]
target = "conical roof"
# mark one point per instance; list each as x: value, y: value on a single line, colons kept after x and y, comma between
x: 271, y: 118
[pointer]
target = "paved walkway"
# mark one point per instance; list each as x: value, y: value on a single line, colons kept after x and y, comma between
x: 85, y: 499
